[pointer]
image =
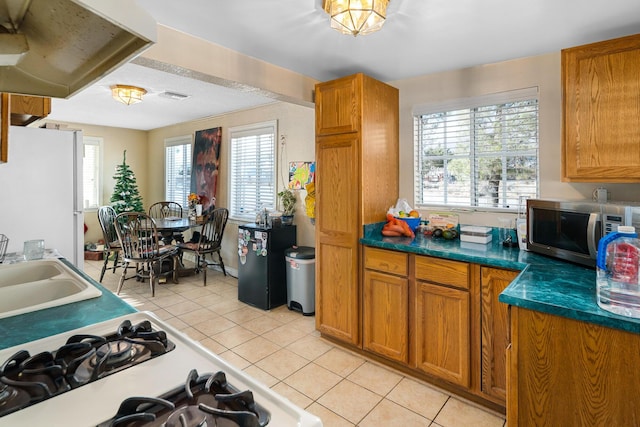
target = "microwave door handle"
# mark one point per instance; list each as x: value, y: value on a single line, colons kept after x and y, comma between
x: 594, y: 219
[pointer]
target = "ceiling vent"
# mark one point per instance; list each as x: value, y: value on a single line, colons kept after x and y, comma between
x: 55, y: 48
x: 174, y: 95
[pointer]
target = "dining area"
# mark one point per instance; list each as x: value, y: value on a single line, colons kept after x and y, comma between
x: 164, y: 242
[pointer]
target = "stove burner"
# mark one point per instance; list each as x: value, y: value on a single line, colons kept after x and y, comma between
x: 116, y: 353
x: 202, y: 401
x: 189, y: 416
x: 11, y: 397
x: 26, y: 380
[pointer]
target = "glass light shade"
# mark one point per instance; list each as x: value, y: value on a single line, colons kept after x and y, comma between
x: 356, y: 16
x: 127, y: 94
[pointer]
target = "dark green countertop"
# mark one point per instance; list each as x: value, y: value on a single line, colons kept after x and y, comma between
x: 544, y: 284
x: 39, y: 324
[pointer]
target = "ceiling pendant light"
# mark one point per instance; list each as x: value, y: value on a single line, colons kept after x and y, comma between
x: 127, y: 94
x: 356, y: 16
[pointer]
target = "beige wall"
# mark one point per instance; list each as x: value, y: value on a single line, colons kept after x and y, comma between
x: 542, y: 71
x: 296, y: 123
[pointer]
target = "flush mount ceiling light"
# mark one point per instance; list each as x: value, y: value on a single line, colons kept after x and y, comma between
x: 356, y: 16
x: 127, y: 94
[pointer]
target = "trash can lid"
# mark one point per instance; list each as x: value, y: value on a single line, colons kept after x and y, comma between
x: 301, y: 252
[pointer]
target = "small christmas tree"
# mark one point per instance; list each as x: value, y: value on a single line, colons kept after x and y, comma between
x: 125, y: 197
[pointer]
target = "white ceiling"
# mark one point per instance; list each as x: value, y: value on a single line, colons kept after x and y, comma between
x: 419, y: 37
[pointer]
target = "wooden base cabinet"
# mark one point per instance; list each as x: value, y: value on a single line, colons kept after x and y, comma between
x: 442, y: 332
x: 563, y: 372
x: 385, y: 317
x: 356, y: 182
x: 442, y: 319
x: 439, y: 320
x: 494, y: 332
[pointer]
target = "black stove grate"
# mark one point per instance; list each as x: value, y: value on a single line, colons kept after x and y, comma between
x: 26, y: 380
x: 206, y: 400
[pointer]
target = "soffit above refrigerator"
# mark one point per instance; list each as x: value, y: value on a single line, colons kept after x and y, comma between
x: 57, y: 47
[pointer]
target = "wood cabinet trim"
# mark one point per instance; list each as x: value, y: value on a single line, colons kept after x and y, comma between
x: 4, y: 127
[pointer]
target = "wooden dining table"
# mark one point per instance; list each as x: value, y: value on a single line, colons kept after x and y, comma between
x: 167, y: 227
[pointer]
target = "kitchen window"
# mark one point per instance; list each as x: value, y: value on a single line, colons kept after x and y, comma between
x: 177, y: 169
x: 478, y: 152
x: 253, y: 169
x: 91, y: 172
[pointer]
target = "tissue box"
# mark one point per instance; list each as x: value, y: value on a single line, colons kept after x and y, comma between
x: 475, y: 234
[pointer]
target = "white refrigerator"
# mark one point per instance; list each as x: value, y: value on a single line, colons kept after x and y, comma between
x: 41, y: 191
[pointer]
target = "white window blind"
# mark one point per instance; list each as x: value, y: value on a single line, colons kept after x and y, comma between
x: 253, y: 169
x: 177, y: 169
x: 480, y: 153
x: 91, y: 172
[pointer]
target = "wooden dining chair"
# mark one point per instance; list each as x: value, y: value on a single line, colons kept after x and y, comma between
x: 210, y: 241
x: 106, y: 218
x: 138, y: 237
x: 167, y: 209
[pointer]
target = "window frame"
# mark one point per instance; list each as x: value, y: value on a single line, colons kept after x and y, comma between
x: 187, y: 141
x: 99, y: 142
x: 244, y: 131
x: 471, y: 103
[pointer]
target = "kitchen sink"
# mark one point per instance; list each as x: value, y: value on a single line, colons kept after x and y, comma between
x: 35, y: 285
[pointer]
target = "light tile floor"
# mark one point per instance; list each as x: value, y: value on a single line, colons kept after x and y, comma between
x: 282, y: 349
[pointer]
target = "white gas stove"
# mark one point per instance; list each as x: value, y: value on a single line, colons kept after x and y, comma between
x: 99, y: 400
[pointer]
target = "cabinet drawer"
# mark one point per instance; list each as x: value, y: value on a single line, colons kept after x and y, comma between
x: 438, y: 270
x: 387, y: 261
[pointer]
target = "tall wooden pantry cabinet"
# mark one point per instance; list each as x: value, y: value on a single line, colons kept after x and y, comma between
x: 356, y: 182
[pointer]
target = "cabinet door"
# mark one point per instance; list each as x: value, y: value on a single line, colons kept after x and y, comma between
x: 337, y: 233
x: 601, y: 111
x: 338, y: 105
x: 566, y: 372
x: 494, y: 335
x: 385, y: 315
x: 442, y: 332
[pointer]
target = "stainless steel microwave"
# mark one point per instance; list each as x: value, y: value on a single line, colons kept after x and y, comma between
x: 571, y: 230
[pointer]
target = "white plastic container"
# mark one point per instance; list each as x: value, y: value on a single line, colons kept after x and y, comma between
x: 475, y: 234
x: 618, y: 272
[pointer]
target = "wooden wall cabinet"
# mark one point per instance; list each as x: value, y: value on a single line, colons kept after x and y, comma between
x: 385, y: 306
x: 442, y: 319
x: 494, y: 332
x: 563, y: 372
x: 19, y: 110
x: 27, y: 109
x: 601, y: 111
x: 356, y: 182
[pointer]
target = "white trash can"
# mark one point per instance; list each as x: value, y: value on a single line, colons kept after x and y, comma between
x: 301, y: 279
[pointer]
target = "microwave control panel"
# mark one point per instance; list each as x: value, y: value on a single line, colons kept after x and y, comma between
x: 611, y: 222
